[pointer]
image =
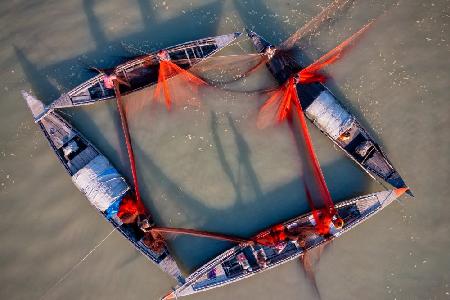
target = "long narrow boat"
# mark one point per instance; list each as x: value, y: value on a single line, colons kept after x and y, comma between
x: 323, y: 109
x: 243, y: 261
x: 140, y: 72
x: 97, y: 178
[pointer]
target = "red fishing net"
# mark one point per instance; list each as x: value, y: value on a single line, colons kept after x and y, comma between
x: 164, y: 90
x: 130, y: 209
x: 285, y: 105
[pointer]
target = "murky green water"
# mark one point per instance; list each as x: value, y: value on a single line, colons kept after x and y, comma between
x: 208, y: 168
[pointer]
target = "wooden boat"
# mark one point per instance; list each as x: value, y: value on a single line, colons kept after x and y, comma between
x: 323, y: 109
x: 245, y: 260
x: 139, y: 72
x: 97, y: 178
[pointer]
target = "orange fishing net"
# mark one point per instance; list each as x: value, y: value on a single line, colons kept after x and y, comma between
x: 167, y: 70
x: 285, y: 105
x: 221, y: 70
x: 309, y: 74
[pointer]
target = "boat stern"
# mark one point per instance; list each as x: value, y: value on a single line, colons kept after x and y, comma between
x: 392, y: 195
x: 376, y: 162
x: 396, y: 181
x: 38, y: 109
x: 36, y: 106
x: 170, y: 295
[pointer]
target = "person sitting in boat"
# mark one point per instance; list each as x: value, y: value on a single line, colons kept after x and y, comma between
x: 279, y: 234
x: 108, y: 81
x: 261, y: 258
x: 109, y: 77
x: 328, y: 225
x: 299, y: 235
x: 163, y: 55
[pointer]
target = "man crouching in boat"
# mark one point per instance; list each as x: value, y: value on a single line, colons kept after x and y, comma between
x: 151, y: 239
x: 326, y: 223
x: 133, y: 213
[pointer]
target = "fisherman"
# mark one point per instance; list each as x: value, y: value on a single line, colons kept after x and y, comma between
x: 108, y: 80
x: 337, y: 221
x: 109, y: 77
x: 261, y: 258
x: 345, y: 136
x: 163, y: 55
x: 279, y: 234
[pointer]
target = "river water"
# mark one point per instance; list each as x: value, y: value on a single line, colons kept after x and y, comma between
x: 208, y: 168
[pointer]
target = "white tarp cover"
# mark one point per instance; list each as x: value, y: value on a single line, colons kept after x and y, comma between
x: 329, y: 115
x: 100, y: 182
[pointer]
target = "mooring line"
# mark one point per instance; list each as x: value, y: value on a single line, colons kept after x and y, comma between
x: 75, y: 266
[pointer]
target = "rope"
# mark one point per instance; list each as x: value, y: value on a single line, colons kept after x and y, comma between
x: 75, y: 266
x: 205, y: 234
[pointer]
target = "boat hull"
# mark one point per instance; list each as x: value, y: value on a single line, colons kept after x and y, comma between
x: 140, y: 72
x: 243, y: 261
x: 97, y: 179
x: 323, y: 109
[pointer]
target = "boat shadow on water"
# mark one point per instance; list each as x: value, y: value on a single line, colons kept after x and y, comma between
x: 244, y: 153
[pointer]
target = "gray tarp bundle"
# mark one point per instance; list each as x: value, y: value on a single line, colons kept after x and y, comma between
x: 329, y: 115
x: 100, y: 182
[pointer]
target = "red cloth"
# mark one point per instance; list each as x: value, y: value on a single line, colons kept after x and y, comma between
x: 130, y: 206
x: 273, y: 236
x: 323, y: 221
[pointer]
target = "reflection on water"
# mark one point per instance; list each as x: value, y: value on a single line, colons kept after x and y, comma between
x: 209, y: 167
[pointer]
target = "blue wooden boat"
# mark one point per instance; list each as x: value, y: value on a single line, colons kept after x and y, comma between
x: 101, y: 183
x: 246, y: 260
